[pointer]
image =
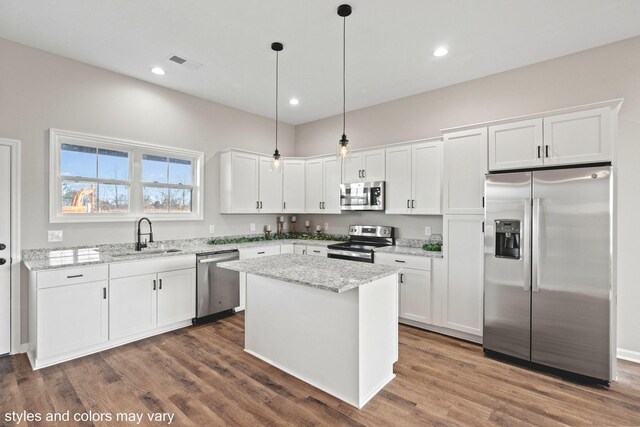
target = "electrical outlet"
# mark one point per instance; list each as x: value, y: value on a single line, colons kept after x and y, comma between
x: 212, y: 229
x: 252, y: 227
x: 427, y: 231
x: 54, y: 236
x: 326, y: 226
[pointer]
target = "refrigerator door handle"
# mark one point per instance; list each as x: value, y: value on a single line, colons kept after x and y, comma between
x: 535, y: 246
x: 526, y: 224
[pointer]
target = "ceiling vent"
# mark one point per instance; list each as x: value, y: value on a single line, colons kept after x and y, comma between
x: 181, y: 60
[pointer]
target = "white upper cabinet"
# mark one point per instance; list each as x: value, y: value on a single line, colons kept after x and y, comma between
x: 322, y: 190
x: 270, y: 188
x: 578, y: 137
x: 414, y: 184
x: 364, y: 166
x: 465, y: 165
x: 293, y: 184
x: 426, y: 182
x: 516, y: 145
x: 239, y: 182
x: 398, y: 183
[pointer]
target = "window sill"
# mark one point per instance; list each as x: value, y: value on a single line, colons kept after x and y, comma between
x: 124, y: 218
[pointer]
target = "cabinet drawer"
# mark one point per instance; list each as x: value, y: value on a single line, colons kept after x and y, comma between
x: 406, y: 261
x: 248, y: 253
x: 317, y: 250
x: 71, y: 276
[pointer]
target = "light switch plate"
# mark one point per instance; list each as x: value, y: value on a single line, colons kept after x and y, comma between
x: 253, y: 227
x: 427, y: 231
x: 212, y: 229
x: 54, y: 236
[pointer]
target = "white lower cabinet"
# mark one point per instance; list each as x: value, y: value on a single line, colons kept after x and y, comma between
x: 310, y: 250
x: 248, y: 253
x: 133, y: 306
x: 300, y: 249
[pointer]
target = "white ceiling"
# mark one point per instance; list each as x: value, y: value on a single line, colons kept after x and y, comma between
x: 389, y: 43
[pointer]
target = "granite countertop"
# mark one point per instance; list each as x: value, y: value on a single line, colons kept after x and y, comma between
x: 334, y: 275
x: 48, y: 259
x: 407, y: 250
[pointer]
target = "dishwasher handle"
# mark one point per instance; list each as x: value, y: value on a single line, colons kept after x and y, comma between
x: 223, y: 256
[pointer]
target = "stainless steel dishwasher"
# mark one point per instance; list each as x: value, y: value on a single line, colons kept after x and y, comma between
x: 218, y: 289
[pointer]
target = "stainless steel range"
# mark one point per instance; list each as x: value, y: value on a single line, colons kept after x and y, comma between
x: 363, y: 241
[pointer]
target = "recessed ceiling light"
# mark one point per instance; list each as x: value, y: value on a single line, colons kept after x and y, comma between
x: 294, y: 101
x: 441, y: 51
x: 159, y: 71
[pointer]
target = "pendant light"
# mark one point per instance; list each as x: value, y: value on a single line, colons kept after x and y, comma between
x: 344, y: 150
x: 276, y: 163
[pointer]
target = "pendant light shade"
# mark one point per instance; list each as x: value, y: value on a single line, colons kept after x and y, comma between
x: 276, y: 162
x: 344, y: 150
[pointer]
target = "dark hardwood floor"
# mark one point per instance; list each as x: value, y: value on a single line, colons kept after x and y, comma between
x: 202, y: 375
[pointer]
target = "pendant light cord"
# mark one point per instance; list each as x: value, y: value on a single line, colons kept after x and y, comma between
x: 277, y: 68
x: 344, y: 72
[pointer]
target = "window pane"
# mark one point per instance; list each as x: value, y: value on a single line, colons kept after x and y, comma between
x: 154, y: 169
x: 156, y: 200
x: 76, y: 160
x: 78, y: 197
x: 180, y: 172
x: 180, y: 200
x: 113, y: 164
x: 113, y: 198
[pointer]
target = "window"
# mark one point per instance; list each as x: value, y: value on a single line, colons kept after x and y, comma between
x: 105, y: 179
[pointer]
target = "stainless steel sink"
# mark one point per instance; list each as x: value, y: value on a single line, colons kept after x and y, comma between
x: 149, y: 252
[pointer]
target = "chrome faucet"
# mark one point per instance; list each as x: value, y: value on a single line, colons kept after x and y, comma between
x: 139, y: 244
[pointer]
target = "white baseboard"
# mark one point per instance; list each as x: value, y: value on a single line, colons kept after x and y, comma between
x: 631, y: 356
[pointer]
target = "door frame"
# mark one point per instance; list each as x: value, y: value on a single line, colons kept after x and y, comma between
x: 16, y: 252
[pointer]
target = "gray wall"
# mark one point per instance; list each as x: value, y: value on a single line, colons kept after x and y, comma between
x: 607, y: 72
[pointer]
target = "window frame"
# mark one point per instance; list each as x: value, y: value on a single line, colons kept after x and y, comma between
x: 136, y: 149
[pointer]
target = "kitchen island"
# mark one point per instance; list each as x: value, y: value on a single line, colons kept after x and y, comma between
x: 331, y: 323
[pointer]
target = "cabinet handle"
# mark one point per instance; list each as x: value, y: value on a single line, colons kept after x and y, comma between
x: 260, y: 253
x: 401, y: 278
x: 284, y: 205
x: 546, y: 151
x: 322, y: 205
x: 399, y: 260
x: 154, y: 285
x: 304, y: 252
x: 364, y: 173
x: 104, y: 293
x: 538, y: 151
x: 257, y: 205
x: 319, y: 205
x: 360, y: 173
x: 317, y: 252
x: 413, y: 204
x: 75, y: 276
x: 160, y: 284
x: 408, y: 203
x: 260, y: 205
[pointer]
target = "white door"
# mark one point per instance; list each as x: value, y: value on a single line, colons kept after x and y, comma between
x: 244, y: 170
x: 176, y: 296
x: 464, y: 257
x: 132, y: 309
x: 373, y: 165
x: 415, y: 292
x: 270, y: 188
x: 426, y: 173
x: 580, y: 137
x: 352, y: 168
x: 465, y: 164
x: 516, y: 145
x: 5, y: 249
x: 332, y: 177
x: 398, y: 183
x: 293, y: 186
x: 299, y: 249
x: 314, y: 192
x: 71, y: 318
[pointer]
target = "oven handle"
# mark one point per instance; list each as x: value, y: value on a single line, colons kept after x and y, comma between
x: 353, y: 254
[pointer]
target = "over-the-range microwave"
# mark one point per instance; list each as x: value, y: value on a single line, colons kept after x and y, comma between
x: 362, y: 196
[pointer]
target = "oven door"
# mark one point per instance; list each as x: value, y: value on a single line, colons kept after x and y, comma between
x: 350, y: 255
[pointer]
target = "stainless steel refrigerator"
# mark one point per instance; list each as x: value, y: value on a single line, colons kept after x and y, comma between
x: 548, y: 262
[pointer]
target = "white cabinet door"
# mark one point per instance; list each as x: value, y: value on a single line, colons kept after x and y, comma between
x: 415, y: 292
x: 286, y: 249
x: 176, y: 296
x: 332, y: 178
x: 465, y: 165
x: 398, y: 183
x: 317, y: 251
x: 314, y: 191
x: 463, y: 254
x: 132, y: 309
x: 352, y: 168
x: 244, y: 176
x: 579, y: 137
x: 299, y: 249
x: 71, y: 318
x: 293, y: 186
x: 516, y: 145
x: 373, y: 165
x: 270, y: 188
x: 426, y: 173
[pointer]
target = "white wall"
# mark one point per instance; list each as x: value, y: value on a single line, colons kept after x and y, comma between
x: 39, y: 91
x: 607, y: 72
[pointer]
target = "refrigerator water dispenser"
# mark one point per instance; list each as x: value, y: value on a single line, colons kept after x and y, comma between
x: 507, y: 238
